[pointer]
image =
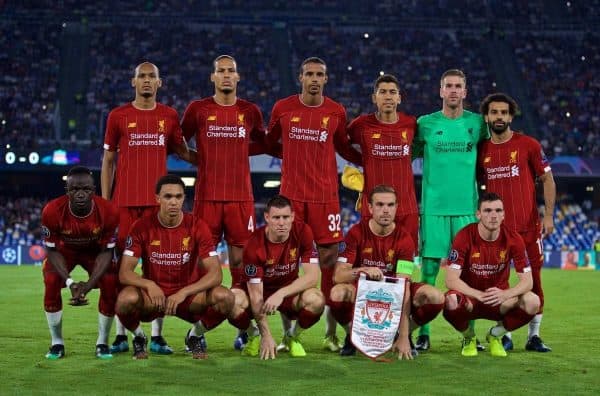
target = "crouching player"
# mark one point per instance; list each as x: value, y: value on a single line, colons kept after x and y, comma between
x: 374, y: 246
x: 270, y: 280
x: 174, y: 252
x: 79, y: 228
x: 477, y: 278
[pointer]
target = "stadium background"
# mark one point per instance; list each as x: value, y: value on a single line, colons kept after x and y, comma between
x: 64, y: 64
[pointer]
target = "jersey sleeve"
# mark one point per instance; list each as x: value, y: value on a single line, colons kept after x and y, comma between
x: 342, y: 143
x: 175, y: 138
x: 111, y: 222
x: 480, y: 169
x: 405, y: 248
x: 537, y: 158
x: 273, y: 136
x: 306, y: 246
x: 136, y: 239
x: 112, y: 133
x: 355, y: 136
x: 518, y: 254
x: 351, y: 242
x: 419, y: 140
x: 484, y: 133
x: 251, y: 263
x: 257, y: 134
x: 459, y: 250
x: 50, y: 227
x: 189, y: 122
x: 203, y: 239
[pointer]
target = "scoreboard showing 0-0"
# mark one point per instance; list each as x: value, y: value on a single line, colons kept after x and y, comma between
x: 12, y: 158
x: 16, y: 159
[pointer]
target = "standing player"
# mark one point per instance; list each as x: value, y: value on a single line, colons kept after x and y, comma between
x: 385, y: 138
x: 374, y: 246
x: 79, y: 228
x: 181, y: 273
x: 143, y: 132
x: 477, y: 278
x: 227, y: 129
x: 509, y: 164
x: 448, y: 141
x: 270, y: 279
x: 310, y: 128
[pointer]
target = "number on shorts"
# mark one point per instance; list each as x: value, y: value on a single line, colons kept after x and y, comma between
x: 334, y: 222
x: 251, y: 224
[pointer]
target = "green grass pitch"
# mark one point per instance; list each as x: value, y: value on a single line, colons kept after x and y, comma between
x: 570, y: 327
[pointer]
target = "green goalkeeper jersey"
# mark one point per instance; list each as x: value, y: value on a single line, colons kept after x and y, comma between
x: 449, y: 148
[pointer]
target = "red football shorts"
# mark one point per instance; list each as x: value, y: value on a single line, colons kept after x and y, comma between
x: 533, y: 245
x: 234, y: 219
x: 127, y: 216
x: 323, y: 218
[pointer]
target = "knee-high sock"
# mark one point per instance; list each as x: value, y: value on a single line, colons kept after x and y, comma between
x: 429, y: 271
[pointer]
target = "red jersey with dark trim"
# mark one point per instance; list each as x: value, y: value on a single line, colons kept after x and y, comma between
x: 365, y: 249
x: 170, y: 255
x: 277, y: 263
x: 225, y: 136
x: 309, y: 136
x: 143, y: 139
x: 486, y: 264
x: 73, y: 235
x: 509, y: 169
x: 387, y: 157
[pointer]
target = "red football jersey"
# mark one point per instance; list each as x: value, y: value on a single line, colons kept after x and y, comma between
x: 365, y: 249
x: 170, y: 255
x: 309, y: 136
x: 509, y: 169
x: 143, y: 139
x: 225, y: 136
x: 73, y: 235
x: 277, y: 263
x: 387, y: 157
x: 486, y: 264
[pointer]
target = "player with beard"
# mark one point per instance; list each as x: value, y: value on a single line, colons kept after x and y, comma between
x: 227, y: 129
x: 385, y: 139
x: 143, y: 132
x: 447, y: 140
x: 509, y: 164
x: 375, y: 246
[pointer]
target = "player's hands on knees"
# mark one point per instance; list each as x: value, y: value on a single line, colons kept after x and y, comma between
x: 271, y: 304
x: 78, y: 293
x: 173, y: 302
x: 402, y: 348
x: 268, y: 348
x: 373, y: 273
x: 494, y: 296
x: 157, y: 297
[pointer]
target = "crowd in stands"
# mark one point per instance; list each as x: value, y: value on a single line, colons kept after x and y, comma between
x: 20, y: 220
x: 184, y: 54
x: 558, y: 69
x: 561, y: 72
x: 28, y: 83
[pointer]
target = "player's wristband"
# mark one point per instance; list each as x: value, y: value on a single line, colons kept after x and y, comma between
x: 69, y: 282
x: 405, y: 267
